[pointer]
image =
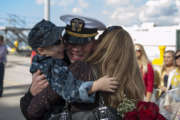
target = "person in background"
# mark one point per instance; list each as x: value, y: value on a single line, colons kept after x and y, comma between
x: 171, y: 105
x: 146, y: 69
x: 3, y: 54
x: 175, y: 80
x: 33, y: 53
x: 165, y: 80
x: 168, y: 66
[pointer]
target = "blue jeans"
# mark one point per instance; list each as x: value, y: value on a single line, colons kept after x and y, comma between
x: 1, y: 77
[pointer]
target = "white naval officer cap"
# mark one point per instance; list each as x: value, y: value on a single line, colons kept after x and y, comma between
x: 80, y: 29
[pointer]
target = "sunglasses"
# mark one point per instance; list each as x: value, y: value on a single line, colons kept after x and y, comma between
x: 114, y: 28
x: 109, y: 29
x: 138, y: 49
x: 178, y: 56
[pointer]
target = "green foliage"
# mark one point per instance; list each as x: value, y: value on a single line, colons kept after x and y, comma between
x: 126, y: 105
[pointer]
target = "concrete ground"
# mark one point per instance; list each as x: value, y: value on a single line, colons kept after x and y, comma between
x: 16, y: 82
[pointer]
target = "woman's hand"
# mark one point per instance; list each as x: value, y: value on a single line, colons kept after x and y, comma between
x: 168, y: 108
x: 148, y: 97
x: 163, y: 88
x: 39, y: 82
x: 105, y: 83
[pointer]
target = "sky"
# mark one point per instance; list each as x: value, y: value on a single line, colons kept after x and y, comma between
x: 110, y: 12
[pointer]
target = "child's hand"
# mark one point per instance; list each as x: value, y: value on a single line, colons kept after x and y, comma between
x: 105, y: 83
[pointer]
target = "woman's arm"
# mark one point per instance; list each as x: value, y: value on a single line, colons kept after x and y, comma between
x: 150, y: 82
x: 25, y: 102
x: 42, y: 103
x: 36, y: 87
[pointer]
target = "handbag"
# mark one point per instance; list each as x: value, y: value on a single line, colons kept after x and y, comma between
x: 102, y: 112
x: 65, y: 115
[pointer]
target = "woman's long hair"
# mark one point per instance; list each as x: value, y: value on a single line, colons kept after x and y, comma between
x: 177, y: 51
x: 143, y: 59
x: 115, y: 56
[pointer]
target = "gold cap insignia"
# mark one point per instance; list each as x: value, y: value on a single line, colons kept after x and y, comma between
x: 77, y: 25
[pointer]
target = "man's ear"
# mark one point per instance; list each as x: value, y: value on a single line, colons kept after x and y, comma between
x: 40, y: 51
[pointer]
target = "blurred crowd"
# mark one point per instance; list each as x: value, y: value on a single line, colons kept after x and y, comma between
x: 162, y: 82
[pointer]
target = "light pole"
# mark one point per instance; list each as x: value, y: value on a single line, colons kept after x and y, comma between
x: 47, y: 10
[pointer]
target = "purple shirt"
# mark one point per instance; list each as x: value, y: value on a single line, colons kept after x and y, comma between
x: 3, y: 53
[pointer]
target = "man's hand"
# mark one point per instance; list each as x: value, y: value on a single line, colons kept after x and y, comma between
x: 39, y: 82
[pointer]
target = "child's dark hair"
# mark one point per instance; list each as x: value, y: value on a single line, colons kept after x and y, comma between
x: 44, y: 34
